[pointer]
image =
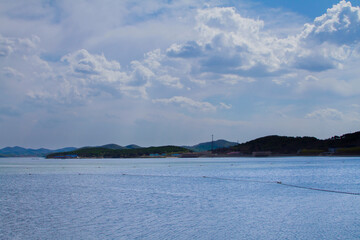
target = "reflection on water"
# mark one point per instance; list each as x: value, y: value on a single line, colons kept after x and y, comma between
x: 171, y: 198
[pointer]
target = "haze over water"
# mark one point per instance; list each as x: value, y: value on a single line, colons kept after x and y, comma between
x: 234, y: 198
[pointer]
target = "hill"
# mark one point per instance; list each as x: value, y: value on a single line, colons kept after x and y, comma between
x: 132, y: 146
x: 115, y: 146
x: 348, y: 144
x: 112, y: 146
x: 100, y: 152
x: 28, y: 152
x: 207, y: 146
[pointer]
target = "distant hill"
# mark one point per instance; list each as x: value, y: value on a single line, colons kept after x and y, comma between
x: 28, y: 152
x: 42, y: 152
x: 132, y: 146
x: 348, y: 144
x: 206, y: 146
x: 112, y: 146
x: 117, y: 147
x: 100, y: 152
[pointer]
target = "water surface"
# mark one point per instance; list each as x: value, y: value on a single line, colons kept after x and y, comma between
x: 232, y: 198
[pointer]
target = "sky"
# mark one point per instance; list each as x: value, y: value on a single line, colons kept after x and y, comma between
x: 159, y: 72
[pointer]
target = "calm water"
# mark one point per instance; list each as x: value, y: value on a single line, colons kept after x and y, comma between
x: 171, y: 198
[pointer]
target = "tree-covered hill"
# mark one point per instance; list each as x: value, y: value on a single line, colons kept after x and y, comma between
x: 28, y: 152
x: 207, y: 146
x: 100, y: 152
x: 348, y: 144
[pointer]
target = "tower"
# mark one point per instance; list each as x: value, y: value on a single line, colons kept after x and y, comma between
x: 212, y: 143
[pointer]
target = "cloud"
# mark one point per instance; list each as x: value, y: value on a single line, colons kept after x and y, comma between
x: 225, y: 106
x: 83, y: 62
x: 109, y: 55
x: 187, y: 103
x: 229, y: 44
x: 326, y: 114
x: 330, y: 40
x: 9, y: 46
x: 81, y: 76
x: 234, y: 79
x: 327, y: 83
x: 11, y: 73
x: 227, y: 48
x: 190, y: 49
x: 339, y: 25
x: 170, y: 81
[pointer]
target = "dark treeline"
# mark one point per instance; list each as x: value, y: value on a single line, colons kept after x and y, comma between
x: 348, y: 144
x: 100, y: 152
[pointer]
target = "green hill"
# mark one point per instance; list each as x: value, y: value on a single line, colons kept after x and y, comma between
x: 100, y: 152
x: 112, y: 146
x: 206, y: 146
x: 28, y: 152
x: 132, y: 146
x: 348, y: 144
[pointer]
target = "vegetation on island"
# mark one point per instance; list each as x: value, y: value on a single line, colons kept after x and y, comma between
x: 345, y: 145
x: 348, y: 144
x: 206, y: 146
x: 101, y: 152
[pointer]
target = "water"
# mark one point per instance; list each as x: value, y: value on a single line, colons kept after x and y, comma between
x: 171, y: 198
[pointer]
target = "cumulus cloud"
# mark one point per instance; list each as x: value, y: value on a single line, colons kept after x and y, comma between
x: 227, y: 48
x: 228, y: 43
x: 187, y: 103
x: 81, y: 76
x: 175, y: 55
x: 83, y: 62
x: 188, y: 50
x: 330, y: 39
x: 339, y: 25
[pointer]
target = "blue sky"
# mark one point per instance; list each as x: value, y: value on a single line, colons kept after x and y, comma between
x: 311, y: 9
x: 76, y: 73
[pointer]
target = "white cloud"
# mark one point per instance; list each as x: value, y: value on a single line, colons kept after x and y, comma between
x: 234, y: 79
x: 339, y: 25
x: 327, y: 83
x: 228, y: 43
x: 170, y: 81
x: 225, y: 106
x: 187, y: 103
x: 83, y: 62
x: 10, y: 45
x: 326, y: 114
x: 228, y: 49
x: 156, y: 53
x: 82, y: 76
x: 330, y: 40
